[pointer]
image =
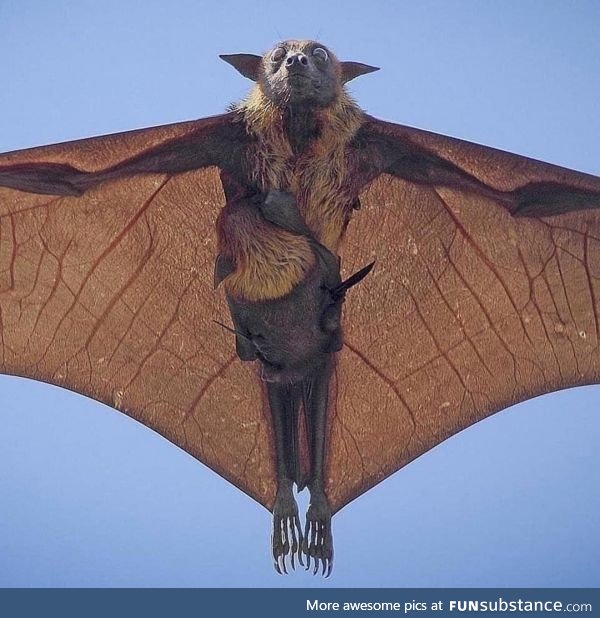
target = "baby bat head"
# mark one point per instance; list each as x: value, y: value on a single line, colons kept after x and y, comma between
x: 298, y: 73
x: 294, y: 335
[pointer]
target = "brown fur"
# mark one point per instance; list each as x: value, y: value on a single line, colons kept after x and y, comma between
x: 319, y: 176
x: 271, y: 262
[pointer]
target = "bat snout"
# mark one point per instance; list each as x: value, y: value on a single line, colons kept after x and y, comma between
x: 296, y: 62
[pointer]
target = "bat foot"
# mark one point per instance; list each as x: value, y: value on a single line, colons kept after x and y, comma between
x: 286, y: 539
x: 318, y: 538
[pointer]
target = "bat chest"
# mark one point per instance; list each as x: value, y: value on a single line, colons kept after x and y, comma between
x: 320, y: 177
x: 321, y: 181
x: 269, y: 261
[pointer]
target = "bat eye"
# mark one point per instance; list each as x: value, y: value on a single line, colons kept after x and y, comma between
x: 320, y: 53
x: 278, y: 54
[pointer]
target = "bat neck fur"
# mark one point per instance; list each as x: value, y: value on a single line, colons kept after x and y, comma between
x: 337, y: 122
x: 304, y: 151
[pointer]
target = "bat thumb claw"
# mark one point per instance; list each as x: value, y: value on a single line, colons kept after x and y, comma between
x: 357, y: 277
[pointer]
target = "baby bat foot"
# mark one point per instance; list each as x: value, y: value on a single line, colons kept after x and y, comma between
x: 318, y: 539
x: 280, y: 208
x: 287, y: 533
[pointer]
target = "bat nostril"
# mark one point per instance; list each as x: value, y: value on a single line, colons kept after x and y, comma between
x: 296, y: 59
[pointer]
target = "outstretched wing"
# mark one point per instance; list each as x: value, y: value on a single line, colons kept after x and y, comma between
x: 110, y: 294
x: 469, y: 308
x: 468, y: 311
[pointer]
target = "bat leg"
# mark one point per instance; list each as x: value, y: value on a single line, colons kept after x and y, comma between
x: 286, y: 539
x: 318, y: 537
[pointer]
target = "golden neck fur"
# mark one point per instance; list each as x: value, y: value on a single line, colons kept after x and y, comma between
x: 319, y: 175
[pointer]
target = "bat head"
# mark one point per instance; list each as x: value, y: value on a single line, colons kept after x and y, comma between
x: 298, y: 72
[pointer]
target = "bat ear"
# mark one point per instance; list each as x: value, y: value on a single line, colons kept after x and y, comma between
x: 350, y: 70
x: 247, y: 64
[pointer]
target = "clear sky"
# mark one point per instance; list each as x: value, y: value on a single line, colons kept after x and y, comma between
x: 89, y: 497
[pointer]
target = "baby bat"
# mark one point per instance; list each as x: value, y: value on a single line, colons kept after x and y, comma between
x: 472, y: 294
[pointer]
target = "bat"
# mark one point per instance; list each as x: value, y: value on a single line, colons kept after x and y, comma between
x: 483, y: 295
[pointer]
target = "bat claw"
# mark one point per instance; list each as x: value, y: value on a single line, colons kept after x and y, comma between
x: 318, y: 540
x: 286, y: 538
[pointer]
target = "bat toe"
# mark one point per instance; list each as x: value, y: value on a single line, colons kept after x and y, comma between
x: 317, y: 545
x: 286, y: 538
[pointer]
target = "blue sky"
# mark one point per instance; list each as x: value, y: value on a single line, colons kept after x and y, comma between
x: 91, y: 498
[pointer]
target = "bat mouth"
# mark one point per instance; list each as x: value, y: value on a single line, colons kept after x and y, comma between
x: 302, y: 87
x: 298, y: 78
